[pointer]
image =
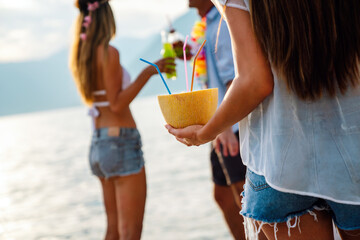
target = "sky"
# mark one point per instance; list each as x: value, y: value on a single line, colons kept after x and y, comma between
x: 35, y: 29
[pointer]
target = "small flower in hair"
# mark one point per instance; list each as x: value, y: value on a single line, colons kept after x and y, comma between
x: 83, y: 36
x: 87, y: 21
x: 93, y: 6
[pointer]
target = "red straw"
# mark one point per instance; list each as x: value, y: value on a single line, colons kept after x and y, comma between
x: 192, y: 79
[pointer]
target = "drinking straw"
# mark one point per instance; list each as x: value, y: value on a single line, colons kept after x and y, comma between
x: 184, y: 52
x: 157, y: 68
x: 192, y: 79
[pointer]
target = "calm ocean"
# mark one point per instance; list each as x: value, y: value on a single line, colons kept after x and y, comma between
x: 47, y: 191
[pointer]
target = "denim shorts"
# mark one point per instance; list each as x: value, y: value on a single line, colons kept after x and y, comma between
x: 263, y: 203
x: 112, y: 156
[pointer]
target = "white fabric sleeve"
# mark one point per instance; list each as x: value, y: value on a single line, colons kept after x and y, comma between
x: 240, y: 4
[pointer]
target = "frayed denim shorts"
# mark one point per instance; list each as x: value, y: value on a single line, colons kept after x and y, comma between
x: 112, y: 156
x: 265, y: 204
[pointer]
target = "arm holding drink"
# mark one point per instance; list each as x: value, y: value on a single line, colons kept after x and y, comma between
x: 252, y: 84
x: 107, y: 89
x: 120, y: 98
x: 288, y: 151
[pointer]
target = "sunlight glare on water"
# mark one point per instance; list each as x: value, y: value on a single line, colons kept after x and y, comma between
x: 47, y: 191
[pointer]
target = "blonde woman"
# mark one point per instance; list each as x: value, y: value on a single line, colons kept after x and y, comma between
x: 115, y: 156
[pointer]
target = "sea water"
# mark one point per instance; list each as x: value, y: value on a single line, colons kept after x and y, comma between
x: 47, y: 191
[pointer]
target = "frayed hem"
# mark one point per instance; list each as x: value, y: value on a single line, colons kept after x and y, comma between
x: 253, y: 225
x: 115, y: 175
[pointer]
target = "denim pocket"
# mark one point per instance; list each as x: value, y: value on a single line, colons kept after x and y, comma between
x: 92, y: 155
x: 256, y: 182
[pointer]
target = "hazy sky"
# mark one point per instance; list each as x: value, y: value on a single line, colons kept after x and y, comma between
x: 34, y: 29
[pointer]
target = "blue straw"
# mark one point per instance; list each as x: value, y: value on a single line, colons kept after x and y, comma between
x: 157, y: 68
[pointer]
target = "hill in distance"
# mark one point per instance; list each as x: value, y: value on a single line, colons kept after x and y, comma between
x: 47, y: 84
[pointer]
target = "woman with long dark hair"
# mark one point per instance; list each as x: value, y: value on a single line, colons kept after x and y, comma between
x: 115, y: 155
x: 297, y: 97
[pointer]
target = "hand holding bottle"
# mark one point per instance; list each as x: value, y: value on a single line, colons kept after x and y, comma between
x: 166, y: 65
x: 168, y: 52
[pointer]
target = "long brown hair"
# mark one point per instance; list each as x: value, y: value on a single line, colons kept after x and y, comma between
x: 314, y: 45
x: 83, y: 54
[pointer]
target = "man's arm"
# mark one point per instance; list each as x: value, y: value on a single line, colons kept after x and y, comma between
x: 227, y: 139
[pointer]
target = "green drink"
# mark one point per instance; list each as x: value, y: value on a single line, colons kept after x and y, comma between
x: 168, y: 51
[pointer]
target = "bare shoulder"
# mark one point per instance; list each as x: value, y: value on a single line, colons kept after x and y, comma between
x: 112, y: 66
x: 113, y: 54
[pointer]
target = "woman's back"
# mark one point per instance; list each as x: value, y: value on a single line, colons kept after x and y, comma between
x: 300, y: 125
x: 285, y: 136
x: 319, y: 138
x: 107, y: 117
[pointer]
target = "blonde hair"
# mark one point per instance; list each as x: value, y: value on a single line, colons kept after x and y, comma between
x: 83, y: 53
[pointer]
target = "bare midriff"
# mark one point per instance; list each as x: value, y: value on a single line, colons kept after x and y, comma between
x: 107, y: 118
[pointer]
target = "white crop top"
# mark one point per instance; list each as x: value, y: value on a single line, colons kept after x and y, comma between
x: 93, y: 111
x: 126, y: 79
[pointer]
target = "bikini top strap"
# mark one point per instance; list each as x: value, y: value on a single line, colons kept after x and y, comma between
x: 99, y: 92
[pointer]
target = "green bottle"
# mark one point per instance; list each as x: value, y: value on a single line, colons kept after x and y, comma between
x: 168, y: 51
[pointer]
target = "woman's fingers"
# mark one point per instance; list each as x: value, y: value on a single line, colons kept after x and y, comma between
x: 169, y: 69
x: 177, y: 132
x: 187, y: 136
x: 184, y: 141
x: 166, y: 65
x: 169, y: 60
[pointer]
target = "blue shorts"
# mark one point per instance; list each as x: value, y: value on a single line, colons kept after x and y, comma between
x: 265, y: 204
x: 234, y: 166
x: 112, y: 156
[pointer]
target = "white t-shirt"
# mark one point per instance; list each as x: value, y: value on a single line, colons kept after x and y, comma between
x: 240, y: 4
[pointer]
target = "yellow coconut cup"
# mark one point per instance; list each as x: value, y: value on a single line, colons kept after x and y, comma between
x: 190, y: 108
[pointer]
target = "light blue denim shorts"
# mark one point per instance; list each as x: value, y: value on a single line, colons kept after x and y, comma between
x: 265, y: 204
x: 112, y: 156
